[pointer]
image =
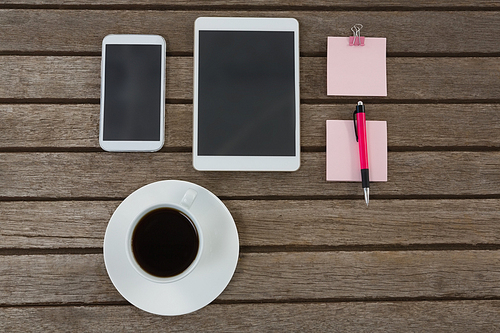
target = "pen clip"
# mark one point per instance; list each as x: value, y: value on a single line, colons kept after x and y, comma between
x: 355, y: 124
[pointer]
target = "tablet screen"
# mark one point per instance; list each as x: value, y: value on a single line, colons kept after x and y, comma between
x: 246, y: 93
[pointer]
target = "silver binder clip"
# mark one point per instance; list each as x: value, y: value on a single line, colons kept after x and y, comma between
x: 356, y: 39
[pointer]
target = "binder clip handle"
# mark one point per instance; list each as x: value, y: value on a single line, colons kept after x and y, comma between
x: 356, y: 39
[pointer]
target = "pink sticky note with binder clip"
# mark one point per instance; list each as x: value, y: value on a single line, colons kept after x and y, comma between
x: 342, y: 156
x: 356, y: 66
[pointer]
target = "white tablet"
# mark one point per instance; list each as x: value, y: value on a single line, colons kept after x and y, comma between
x: 246, y: 94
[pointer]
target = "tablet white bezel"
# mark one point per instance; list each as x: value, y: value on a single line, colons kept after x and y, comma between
x: 246, y: 163
x: 129, y: 146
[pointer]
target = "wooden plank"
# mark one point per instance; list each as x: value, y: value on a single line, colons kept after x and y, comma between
x: 77, y: 125
x: 82, y: 224
x: 284, y: 276
x: 52, y: 125
x: 419, y: 31
x: 48, y: 77
x: 59, y: 224
x: 116, y: 175
x: 337, y: 223
x: 307, y: 4
x: 405, y: 125
x: 418, y: 78
x: 380, y: 274
x: 447, y: 316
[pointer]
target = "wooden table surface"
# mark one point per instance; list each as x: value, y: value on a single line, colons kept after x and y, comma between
x: 425, y: 256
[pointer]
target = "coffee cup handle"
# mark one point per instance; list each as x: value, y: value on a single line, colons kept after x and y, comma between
x: 188, y: 198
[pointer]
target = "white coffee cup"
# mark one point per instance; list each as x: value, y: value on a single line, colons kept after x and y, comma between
x: 212, y: 265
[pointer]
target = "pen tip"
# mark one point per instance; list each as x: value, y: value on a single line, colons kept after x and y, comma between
x: 367, y: 195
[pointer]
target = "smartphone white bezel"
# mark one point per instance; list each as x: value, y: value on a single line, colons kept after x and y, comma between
x: 133, y: 146
x: 246, y: 163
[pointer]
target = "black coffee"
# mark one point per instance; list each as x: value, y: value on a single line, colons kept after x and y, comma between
x: 165, y: 242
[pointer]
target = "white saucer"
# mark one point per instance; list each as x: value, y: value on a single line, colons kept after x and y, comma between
x: 209, y: 277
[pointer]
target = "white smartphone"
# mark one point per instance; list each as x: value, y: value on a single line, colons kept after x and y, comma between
x: 132, y: 93
x: 246, y: 94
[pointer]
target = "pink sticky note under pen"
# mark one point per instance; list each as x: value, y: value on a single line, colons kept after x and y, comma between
x: 342, y: 157
x: 356, y: 70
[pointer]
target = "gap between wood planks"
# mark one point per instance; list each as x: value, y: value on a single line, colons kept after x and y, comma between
x: 302, y: 54
x: 306, y: 149
x: 280, y: 248
x: 277, y: 198
x: 267, y: 301
x: 331, y: 101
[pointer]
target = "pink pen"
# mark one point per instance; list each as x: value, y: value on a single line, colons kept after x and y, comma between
x: 360, y: 130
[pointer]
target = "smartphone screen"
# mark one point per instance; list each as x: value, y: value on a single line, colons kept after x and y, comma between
x: 132, y: 92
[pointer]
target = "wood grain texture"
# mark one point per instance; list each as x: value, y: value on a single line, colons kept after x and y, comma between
x: 326, y: 4
x: 83, y: 30
x: 61, y: 224
x: 283, y: 276
x: 447, y: 316
x: 77, y: 125
x: 40, y: 125
x: 337, y: 223
x: 49, y: 77
x: 116, y: 175
x: 285, y: 223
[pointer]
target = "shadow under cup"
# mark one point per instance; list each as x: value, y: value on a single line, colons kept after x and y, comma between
x: 165, y: 244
